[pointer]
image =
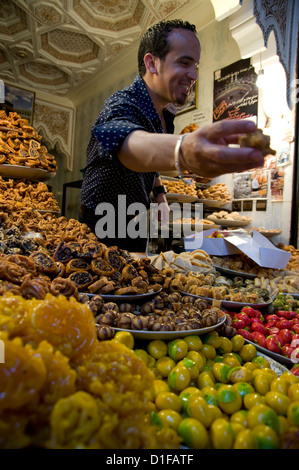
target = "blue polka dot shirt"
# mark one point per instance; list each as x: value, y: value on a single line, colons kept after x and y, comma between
x: 105, y: 177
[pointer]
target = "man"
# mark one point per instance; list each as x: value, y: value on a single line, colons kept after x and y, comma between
x: 132, y: 140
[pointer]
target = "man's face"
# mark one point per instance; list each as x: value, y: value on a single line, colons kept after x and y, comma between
x: 178, y: 71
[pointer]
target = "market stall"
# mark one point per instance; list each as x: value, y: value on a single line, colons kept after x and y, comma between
x: 105, y: 349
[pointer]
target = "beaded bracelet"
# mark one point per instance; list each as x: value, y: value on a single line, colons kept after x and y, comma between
x: 177, y: 152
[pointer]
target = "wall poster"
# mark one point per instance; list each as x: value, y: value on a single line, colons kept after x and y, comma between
x: 251, y: 185
x: 235, y: 92
x: 277, y: 182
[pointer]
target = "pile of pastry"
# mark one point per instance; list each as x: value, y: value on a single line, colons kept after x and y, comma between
x: 216, y: 192
x: 179, y: 187
x: 293, y: 264
x: 21, y: 145
x: 170, y: 263
x: 224, y: 215
x: 29, y: 194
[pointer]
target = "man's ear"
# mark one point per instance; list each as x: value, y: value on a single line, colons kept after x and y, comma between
x: 150, y: 63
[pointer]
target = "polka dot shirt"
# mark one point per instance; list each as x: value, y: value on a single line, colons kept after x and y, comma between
x: 105, y: 177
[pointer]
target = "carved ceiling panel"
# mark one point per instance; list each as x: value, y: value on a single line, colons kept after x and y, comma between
x: 54, y: 45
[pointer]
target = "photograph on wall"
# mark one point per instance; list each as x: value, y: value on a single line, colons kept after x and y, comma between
x: 277, y: 182
x: 259, y: 183
x: 19, y: 101
x: 284, y: 154
x: 235, y: 92
x: 242, y: 185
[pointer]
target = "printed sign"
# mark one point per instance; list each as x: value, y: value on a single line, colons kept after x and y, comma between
x: 235, y: 92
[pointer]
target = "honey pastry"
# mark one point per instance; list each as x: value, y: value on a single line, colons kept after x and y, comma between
x: 141, y: 285
x: 31, y: 162
x: 75, y: 246
x: 11, y: 272
x: 130, y: 290
x: 95, y: 248
x: 4, y: 148
x: 129, y: 272
x: 34, y: 288
x: 95, y: 304
x: 33, y: 153
x: 33, y: 144
x: 25, y: 262
x: 23, y: 153
x: 258, y: 140
x: 63, y: 253
x: 113, y: 257
x: 108, y: 288
x: 44, y: 263
x: 190, y: 128
x: 101, y: 267
x: 82, y: 279
x: 77, y: 264
x: 61, y: 269
x: 62, y: 286
x: 11, y: 143
x: 98, y: 284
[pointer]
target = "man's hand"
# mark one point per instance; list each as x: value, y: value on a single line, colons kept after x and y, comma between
x: 206, y: 151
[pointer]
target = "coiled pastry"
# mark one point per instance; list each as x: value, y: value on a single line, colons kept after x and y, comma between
x: 44, y: 263
x: 63, y: 253
x: 113, y: 257
x: 77, y: 264
x: 82, y: 279
x: 101, y: 267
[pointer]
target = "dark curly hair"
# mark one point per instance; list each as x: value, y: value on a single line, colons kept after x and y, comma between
x: 155, y: 40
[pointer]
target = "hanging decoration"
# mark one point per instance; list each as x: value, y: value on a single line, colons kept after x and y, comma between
x: 281, y: 17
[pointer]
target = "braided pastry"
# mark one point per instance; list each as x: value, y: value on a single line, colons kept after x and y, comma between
x: 34, y: 288
x: 11, y: 272
x: 63, y: 286
x: 25, y: 262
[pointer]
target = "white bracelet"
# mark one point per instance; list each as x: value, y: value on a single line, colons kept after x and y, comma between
x: 177, y: 151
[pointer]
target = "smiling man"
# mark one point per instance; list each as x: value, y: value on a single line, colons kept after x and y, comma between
x: 132, y: 139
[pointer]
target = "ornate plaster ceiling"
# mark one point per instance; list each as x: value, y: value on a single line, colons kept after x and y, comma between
x: 55, y: 45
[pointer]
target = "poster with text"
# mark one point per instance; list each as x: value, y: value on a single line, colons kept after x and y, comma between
x: 235, y: 92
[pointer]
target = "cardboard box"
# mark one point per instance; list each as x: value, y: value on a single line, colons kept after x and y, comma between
x: 257, y: 247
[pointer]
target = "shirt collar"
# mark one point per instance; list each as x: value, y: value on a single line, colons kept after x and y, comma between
x: 147, y: 106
